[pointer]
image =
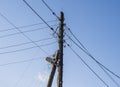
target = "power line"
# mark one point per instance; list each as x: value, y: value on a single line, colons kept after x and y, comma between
x: 110, y: 77
x: 93, y: 58
x: 25, y: 43
x: 109, y: 70
x: 23, y: 61
x: 23, y: 74
x: 88, y: 66
x: 25, y: 26
x: 50, y: 9
x: 38, y: 15
x: 75, y: 43
x: 22, y: 32
x: 87, y: 52
x: 27, y: 48
x: 98, y: 62
x: 76, y: 39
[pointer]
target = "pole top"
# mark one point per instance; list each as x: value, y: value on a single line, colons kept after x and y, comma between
x: 62, y: 16
x: 61, y: 12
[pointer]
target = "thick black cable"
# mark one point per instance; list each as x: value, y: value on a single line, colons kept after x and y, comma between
x: 51, y: 10
x: 15, y: 45
x: 87, y: 52
x: 27, y: 48
x: 22, y: 32
x: 88, y: 66
x: 25, y: 26
x: 38, y: 15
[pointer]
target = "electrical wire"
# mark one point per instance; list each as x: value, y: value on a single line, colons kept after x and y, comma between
x: 76, y: 38
x: 27, y: 48
x: 110, y: 77
x: 15, y: 45
x: 38, y: 15
x: 50, y: 9
x: 76, y: 43
x: 52, y: 13
x: 23, y: 74
x: 23, y: 61
x: 109, y: 70
x: 88, y: 66
x: 25, y: 26
x: 93, y: 58
x: 22, y: 32
x: 87, y: 52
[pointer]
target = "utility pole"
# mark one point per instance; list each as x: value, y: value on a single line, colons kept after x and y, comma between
x: 58, y: 60
x: 60, y: 42
x: 54, y: 66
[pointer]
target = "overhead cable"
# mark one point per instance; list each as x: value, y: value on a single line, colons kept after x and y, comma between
x: 28, y: 48
x: 23, y: 74
x: 115, y: 82
x: 88, y: 66
x: 87, y: 52
x: 15, y: 45
x: 38, y: 15
x: 22, y: 61
x: 76, y: 39
x: 22, y: 32
x: 25, y: 26
x: 51, y: 10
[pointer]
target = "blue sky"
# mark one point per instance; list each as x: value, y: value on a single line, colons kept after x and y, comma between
x: 96, y: 23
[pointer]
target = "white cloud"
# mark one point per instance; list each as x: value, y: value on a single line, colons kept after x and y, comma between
x: 43, y: 76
